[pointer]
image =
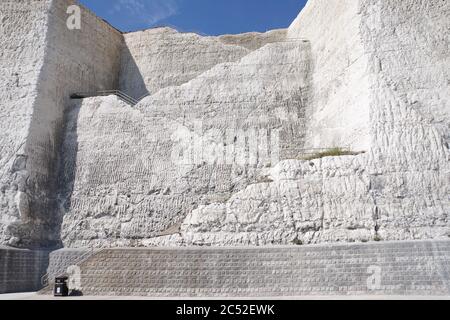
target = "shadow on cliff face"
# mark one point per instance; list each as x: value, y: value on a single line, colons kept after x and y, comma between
x: 36, y: 179
x: 67, y: 165
x: 131, y: 80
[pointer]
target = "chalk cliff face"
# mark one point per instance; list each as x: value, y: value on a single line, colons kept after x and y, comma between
x: 43, y: 63
x: 162, y: 57
x: 22, y: 34
x: 140, y: 171
x: 380, y: 83
x: 213, y: 155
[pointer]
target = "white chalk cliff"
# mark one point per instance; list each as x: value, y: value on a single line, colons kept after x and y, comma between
x: 370, y: 76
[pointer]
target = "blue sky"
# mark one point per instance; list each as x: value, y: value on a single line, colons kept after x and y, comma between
x: 209, y: 17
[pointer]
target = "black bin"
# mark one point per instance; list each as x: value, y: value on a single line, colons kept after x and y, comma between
x: 61, y: 287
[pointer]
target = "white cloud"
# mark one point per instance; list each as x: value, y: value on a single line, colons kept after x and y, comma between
x: 148, y: 11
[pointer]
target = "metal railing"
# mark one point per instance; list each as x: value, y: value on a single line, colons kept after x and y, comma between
x: 77, y: 261
x: 121, y: 95
x: 142, y: 97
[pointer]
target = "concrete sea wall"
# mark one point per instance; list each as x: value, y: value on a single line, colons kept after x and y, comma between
x: 373, y: 269
x: 21, y: 270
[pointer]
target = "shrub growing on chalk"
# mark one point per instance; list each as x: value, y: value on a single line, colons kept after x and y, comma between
x: 334, y: 152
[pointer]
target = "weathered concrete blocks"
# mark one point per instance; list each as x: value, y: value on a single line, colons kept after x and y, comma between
x: 21, y: 270
x: 389, y: 268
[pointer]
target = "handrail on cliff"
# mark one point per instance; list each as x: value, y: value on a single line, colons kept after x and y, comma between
x: 121, y: 95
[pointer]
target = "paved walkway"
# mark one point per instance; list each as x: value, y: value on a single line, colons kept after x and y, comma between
x: 35, y: 296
